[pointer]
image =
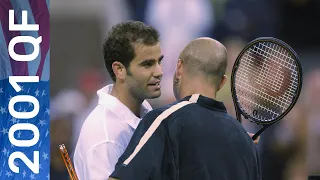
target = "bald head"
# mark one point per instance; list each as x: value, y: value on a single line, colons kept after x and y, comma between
x: 205, y: 57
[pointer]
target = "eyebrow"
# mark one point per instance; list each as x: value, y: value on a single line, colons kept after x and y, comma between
x: 161, y: 57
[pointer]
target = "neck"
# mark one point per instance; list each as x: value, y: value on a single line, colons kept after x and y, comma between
x: 197, y: 87
x: 122, y: 93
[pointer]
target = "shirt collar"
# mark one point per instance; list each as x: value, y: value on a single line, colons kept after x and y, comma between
x: 208, y: 103
x: 117, y: 107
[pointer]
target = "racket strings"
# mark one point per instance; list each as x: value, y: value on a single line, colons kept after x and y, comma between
x: 276, y: 80
x: 242, y: 81
x: 269, y: 70
x: 284, y: 60
x: 254, y: 73
x: 280, y: 54
x: 294, y: 75
x: 266, y: 81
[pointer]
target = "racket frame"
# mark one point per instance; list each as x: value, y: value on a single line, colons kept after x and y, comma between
x: 237, y: 106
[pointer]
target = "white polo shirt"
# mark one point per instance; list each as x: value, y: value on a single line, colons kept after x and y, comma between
x: 104, y: 136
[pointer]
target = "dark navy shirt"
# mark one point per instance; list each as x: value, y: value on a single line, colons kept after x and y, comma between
x: 199, y: 141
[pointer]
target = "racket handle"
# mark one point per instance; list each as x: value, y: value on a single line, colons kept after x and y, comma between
x: 238, y: 115
x: 67, y: 162
x: 254, y: 137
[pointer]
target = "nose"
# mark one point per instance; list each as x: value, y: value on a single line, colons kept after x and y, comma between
x: 158, y: 71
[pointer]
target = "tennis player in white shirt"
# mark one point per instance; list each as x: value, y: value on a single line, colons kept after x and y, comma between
x: 132, y: 55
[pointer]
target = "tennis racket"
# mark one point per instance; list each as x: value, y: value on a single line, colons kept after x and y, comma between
x: 67, y: 162
x: 266, y: 81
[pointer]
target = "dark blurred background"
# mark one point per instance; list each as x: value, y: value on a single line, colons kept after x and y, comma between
x: 289, y: 150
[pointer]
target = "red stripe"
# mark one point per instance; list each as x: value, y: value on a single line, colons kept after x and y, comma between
x: 42, y: 17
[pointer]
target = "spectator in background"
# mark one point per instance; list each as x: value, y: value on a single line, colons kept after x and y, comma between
x: 75, y: 104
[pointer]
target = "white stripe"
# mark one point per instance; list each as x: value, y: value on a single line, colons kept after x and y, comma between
x: 156, y: 124
x: 194, y: 98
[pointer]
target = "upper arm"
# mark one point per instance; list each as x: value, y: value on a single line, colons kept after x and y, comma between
x: 101, y: 160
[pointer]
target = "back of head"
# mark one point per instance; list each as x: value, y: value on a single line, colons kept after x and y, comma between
x: 205, y: 58
x: 118, y: 45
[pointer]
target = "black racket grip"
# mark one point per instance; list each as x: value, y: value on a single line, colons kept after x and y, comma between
x: 238, y: 115
x: 254, y: 137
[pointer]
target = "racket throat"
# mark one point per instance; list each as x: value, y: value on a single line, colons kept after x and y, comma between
x: 255, y: 136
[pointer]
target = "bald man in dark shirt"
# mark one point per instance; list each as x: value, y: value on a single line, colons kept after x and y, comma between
x: 194, y: 137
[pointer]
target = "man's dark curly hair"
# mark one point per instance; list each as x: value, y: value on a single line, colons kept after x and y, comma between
x: 118, y: 45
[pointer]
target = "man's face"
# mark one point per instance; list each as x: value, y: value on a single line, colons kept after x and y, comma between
x: 145, y: 72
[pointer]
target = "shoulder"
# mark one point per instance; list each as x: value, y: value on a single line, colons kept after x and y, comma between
x: 162, y: 113
x: 96, y: 127
x: 158, y: 111
x: 96, y: 119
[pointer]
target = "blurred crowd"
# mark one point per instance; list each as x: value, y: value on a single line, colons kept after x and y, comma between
x: 289, y: 149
